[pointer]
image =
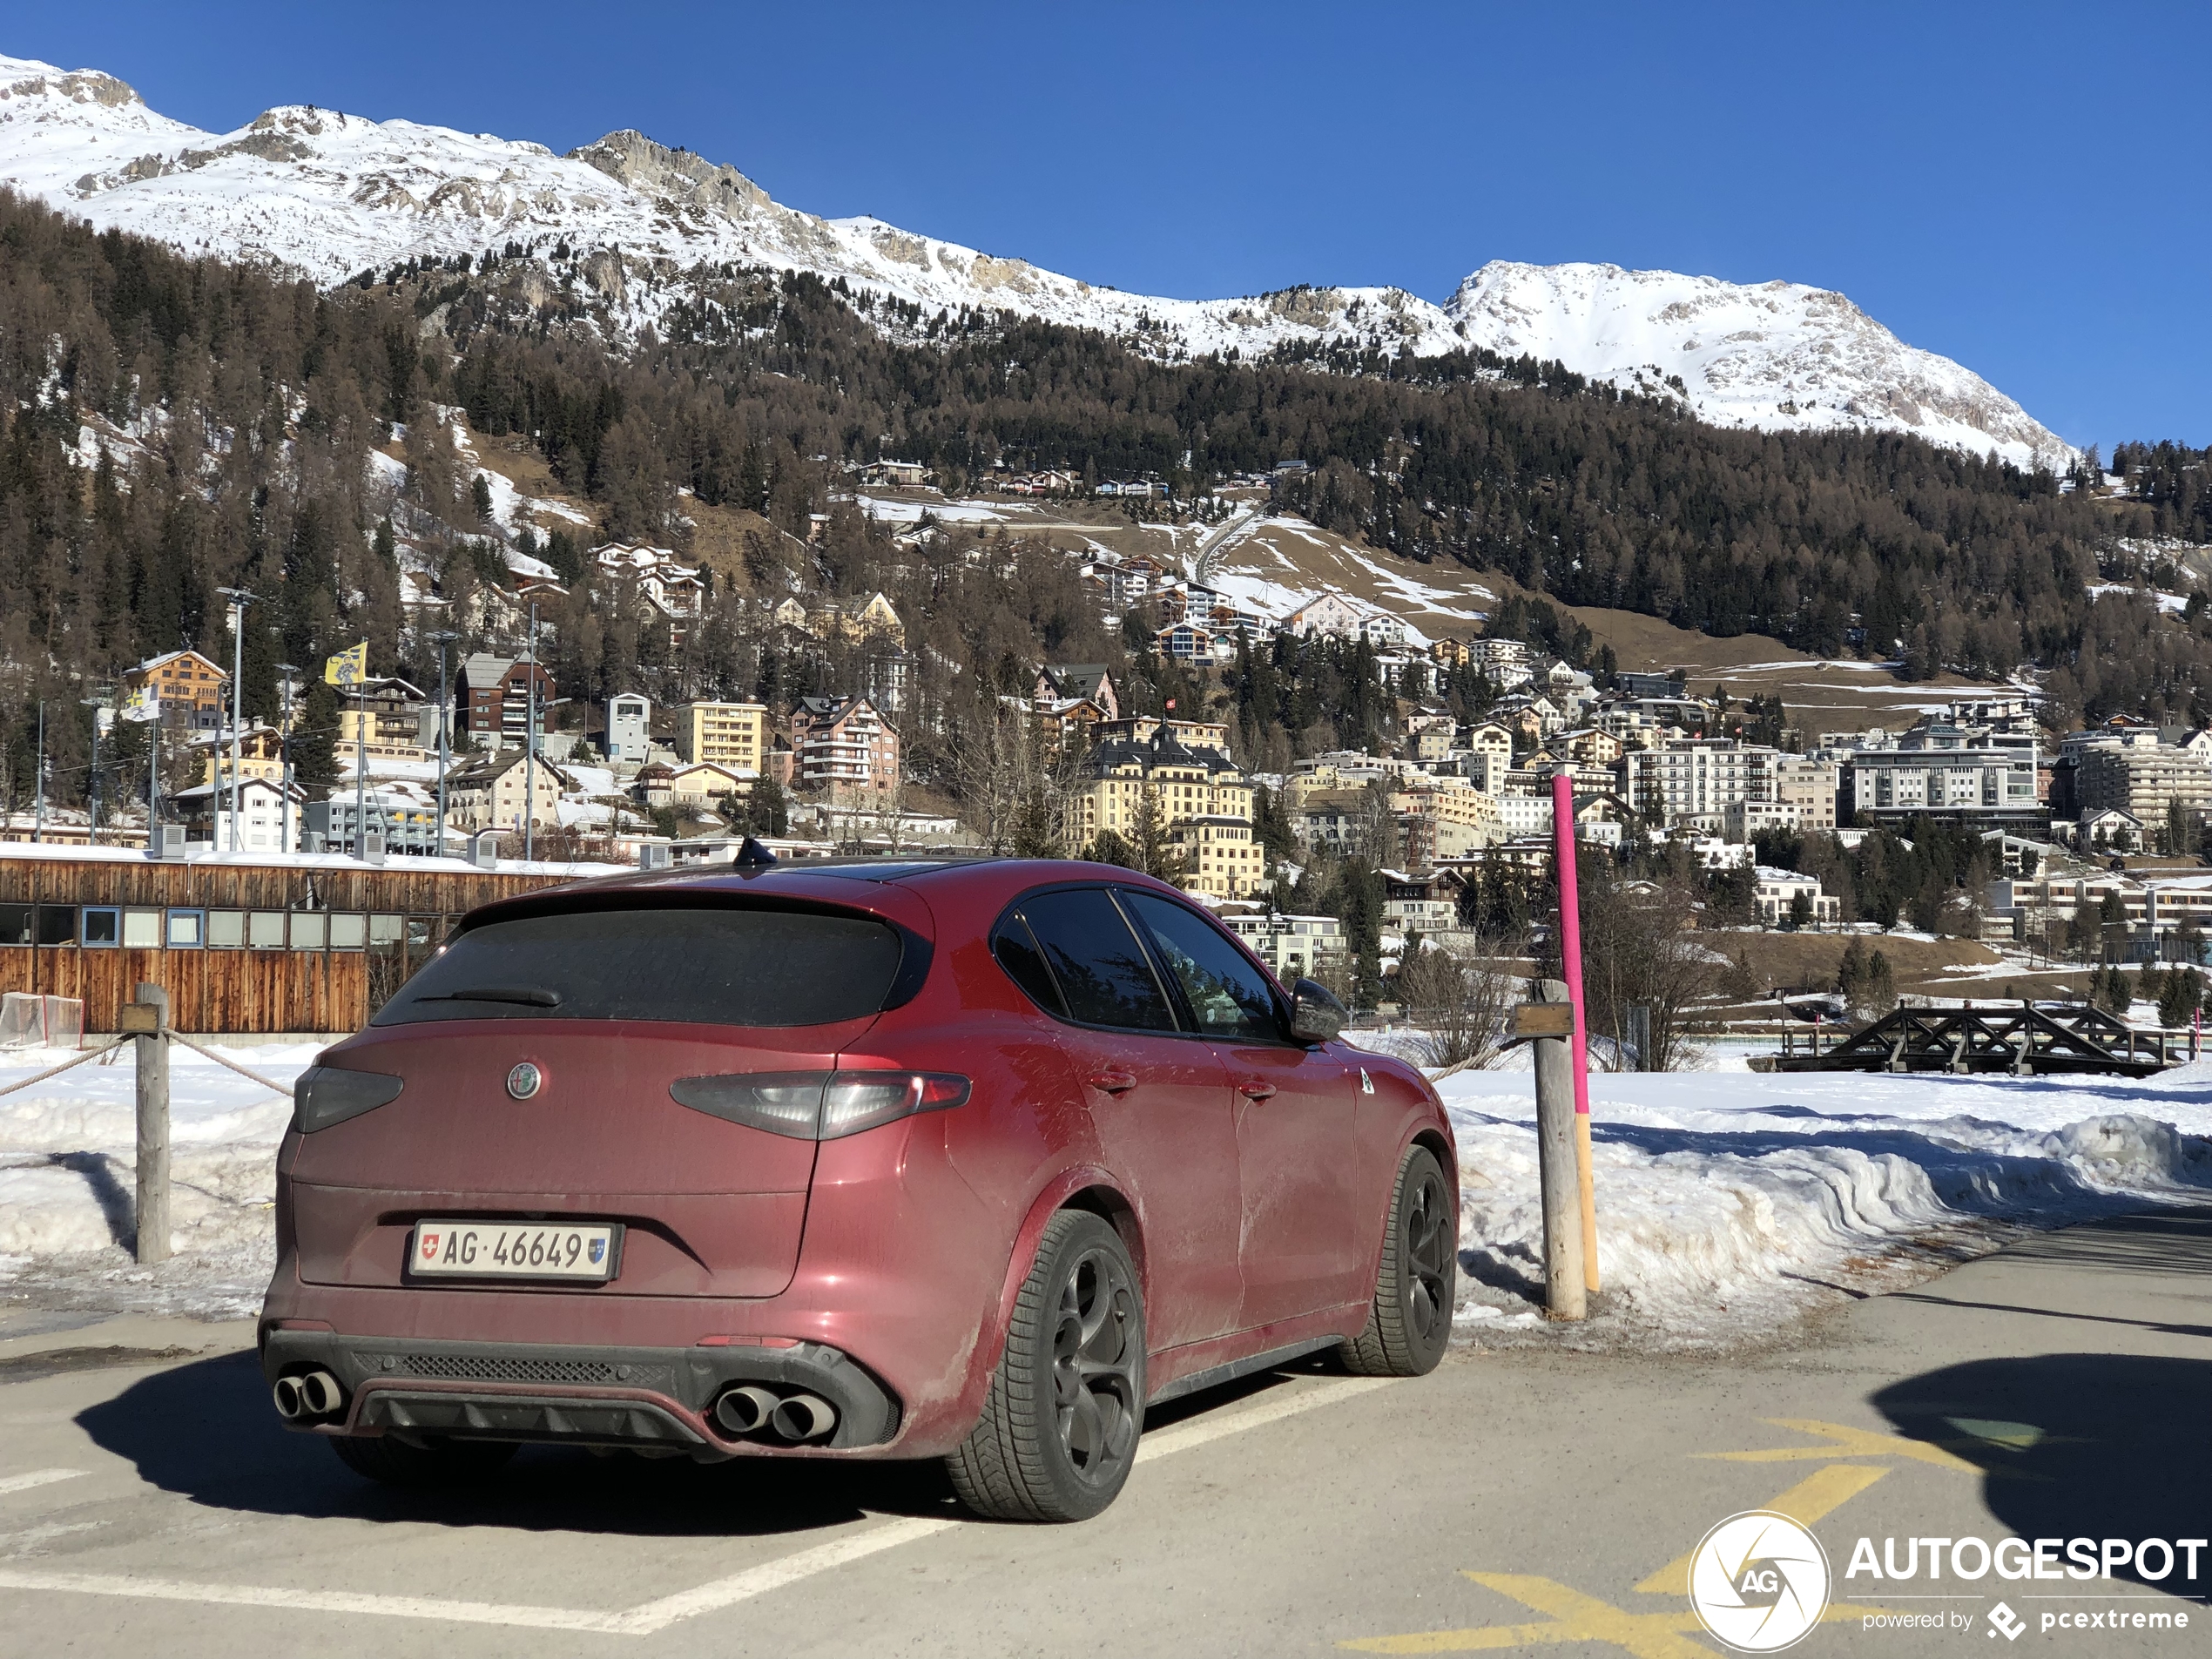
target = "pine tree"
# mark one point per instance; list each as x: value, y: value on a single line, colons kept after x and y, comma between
x: 313, y: 763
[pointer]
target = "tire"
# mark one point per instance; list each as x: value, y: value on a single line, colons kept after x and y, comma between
x: 1410, y: 1322
x: 1060, y: 1426
x: 436, y: 1463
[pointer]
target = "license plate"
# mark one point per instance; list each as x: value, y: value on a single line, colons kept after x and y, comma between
x: 513, y: 1250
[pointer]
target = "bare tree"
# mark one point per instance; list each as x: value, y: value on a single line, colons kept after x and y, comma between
x: 1461, y: 1003
x: 1638, y: 947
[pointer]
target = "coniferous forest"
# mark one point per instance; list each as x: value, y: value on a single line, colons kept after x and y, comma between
x: 249, y: 406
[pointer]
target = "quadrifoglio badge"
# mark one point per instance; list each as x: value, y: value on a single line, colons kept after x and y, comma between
x: 1759, y: 1582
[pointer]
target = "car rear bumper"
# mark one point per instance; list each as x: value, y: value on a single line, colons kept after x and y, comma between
x: 643, y: 1398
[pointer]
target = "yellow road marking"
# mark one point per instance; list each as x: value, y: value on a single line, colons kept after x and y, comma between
x: 1849, y: 1442
x: 1575, y: 1617
x: 1804, y: 1503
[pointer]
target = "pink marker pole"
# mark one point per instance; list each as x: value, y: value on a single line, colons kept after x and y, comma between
x: 1571, y: 959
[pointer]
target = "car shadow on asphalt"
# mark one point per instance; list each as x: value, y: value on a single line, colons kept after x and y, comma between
x: 2078, y: 1445
x: 206, y: 1432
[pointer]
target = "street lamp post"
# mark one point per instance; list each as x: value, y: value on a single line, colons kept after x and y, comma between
x: 239, y: 598
x: 290, y: 670
x: 95, y: 704
x: 38, y: 813
x: 443, y: 641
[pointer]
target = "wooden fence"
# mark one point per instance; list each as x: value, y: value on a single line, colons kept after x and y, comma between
x: 308, y: 945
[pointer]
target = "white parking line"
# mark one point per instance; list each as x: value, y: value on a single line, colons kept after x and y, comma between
x: 36, y: 1478
x: 648, y: 1617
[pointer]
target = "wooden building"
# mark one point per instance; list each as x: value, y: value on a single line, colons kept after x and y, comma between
x: 241, y: 942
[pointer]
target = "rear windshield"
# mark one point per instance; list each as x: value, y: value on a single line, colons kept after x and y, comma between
x: 749, y: 967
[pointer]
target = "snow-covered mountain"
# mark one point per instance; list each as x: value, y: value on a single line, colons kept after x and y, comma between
x: 331, y: 195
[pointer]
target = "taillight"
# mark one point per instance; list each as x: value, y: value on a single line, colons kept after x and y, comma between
x: 820, y: 1105
x: 326, y: 1095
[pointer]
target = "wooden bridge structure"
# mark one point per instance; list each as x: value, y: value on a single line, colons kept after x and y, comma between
x: 2022, y: 1039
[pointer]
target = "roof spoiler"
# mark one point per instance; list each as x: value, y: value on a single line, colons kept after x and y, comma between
x: 753, y: 856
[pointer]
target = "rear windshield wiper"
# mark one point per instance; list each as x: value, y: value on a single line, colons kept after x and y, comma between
x: 529, y: 995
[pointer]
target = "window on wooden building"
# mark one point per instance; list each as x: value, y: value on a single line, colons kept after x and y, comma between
x: 103, y: 924
x: 15, y: 924
x: 264, y: 929
x: 226, y: 929
x: 349, y: 931
x: 310, y: 930
x: 385, y: 932
x: 142, y: 930
x: 187, y: 929
x: 56, y: 924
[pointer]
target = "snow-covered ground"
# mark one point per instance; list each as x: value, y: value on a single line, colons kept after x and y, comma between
x: 67, y: 1180
x: 1728, y: 1202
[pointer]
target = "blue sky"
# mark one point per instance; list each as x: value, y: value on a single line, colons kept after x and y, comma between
x: 2021, y: 188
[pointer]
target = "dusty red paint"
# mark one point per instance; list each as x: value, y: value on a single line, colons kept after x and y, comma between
x: 1254, y: 1222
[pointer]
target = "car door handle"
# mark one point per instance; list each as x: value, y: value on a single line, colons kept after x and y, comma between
x: 1255, y: 1089
x: 1113, y: 1082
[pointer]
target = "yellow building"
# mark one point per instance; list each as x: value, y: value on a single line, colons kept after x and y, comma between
x: 1199, y: 800
x: 723, y: 734
x: 178, y: 679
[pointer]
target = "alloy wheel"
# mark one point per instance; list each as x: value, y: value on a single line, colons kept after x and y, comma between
x: 1094, y: 1368
x: 1429, y: 1236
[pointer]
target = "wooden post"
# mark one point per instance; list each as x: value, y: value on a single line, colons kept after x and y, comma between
x: 1570, y: 960
x: 1558, y: 1168
x: 147, y: 1019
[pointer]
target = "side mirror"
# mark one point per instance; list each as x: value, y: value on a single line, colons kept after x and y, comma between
x: 1316, y: 1015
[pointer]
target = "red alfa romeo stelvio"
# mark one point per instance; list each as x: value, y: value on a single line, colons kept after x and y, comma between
x: 969, y: 1160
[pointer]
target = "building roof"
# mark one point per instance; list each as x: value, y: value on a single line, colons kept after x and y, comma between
x: 1163, y: 748
x: 152, y: 662
x: 485, y: 769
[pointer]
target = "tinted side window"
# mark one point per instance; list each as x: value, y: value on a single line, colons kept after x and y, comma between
x: 1017, y: 951
x: 1226, y: 993
x: 1101, y: 968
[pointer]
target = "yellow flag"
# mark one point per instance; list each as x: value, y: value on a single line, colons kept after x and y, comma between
x: 348, y: 667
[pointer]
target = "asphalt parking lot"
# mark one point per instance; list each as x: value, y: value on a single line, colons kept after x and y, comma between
x: 150, y: 1503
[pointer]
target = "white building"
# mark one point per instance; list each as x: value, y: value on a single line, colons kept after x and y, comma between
x: 257, y: 805
x: 1504, y: 662
x: 1776, y: 894
x: 630, y: 736
x: 1934, y: 770
x: 1290, y: 946
x: 1696, y: 780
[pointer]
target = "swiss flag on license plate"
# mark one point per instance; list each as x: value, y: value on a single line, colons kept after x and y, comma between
x: 430, y: 1245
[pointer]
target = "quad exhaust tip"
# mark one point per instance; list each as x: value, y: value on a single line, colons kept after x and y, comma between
x: 744, y: 1411
x: 314, y: 1393
x: 803, y: 1417
x: 751, y: 1409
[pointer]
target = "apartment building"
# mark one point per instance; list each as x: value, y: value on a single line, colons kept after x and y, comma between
x: 843, y: 745
x: 1695, y: 780
x: 1979, y: 780
x: 1292, y: 946
x: 1195, y: 796
x: 1807, y: 783
x: 2145, y: 779
x: 1219, y: 857
x: 494, y: 699
x: 734, y: 735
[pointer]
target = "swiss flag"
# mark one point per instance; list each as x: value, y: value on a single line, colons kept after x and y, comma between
x: 430, y: 1245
